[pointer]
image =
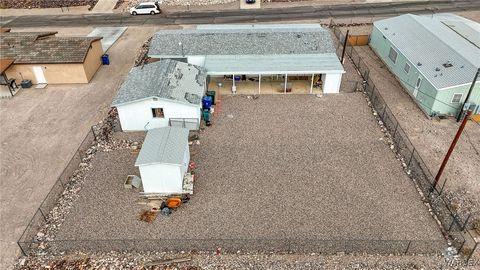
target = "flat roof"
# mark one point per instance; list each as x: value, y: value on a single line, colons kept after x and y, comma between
x: 273, y: 64
x: 258, y: 39
x: 429, y: 42
x: 165, y: 145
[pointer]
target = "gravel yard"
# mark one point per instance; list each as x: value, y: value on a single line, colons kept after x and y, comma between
x: 277, y: 167
x: 432, y: 138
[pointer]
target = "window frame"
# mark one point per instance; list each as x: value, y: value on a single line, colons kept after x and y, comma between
x: 158, y: 113
x: 459, y: 100
x: 418, y: 82
x: 396, y: 54
x: 409, y: 67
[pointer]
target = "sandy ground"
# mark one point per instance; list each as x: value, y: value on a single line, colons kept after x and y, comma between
x: 42, y: 128
x: 265, y: 179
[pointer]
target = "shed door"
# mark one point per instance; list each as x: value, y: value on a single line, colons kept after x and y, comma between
x: 39, y: 76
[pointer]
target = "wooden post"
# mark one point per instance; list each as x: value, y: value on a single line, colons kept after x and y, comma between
x: 259, y: 82
x: 311, y: 85
x: 450, y: 150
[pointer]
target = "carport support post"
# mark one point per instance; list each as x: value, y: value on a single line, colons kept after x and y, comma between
x: 285, y: 88
x: 311, y: 85
x: 233, y: 83
x: 259, y: 82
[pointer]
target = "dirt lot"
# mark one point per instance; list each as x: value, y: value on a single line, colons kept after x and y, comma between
x: 269, y: 178
x: 41, y: 130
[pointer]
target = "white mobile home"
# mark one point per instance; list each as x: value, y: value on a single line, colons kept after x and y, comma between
x: 161, y: 94
x: 163, y: 160
x: 267, y: 53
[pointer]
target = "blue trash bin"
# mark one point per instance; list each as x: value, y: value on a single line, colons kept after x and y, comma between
x: 105, y: 59
x: 207, y: 102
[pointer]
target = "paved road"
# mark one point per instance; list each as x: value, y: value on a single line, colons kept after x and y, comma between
x: 239, y: 16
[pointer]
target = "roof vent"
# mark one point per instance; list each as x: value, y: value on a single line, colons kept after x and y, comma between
x: 386, y: 28
x: 447, y: 64
x: 419, y: 64
x: 299, y: 36
x: 437, y: 69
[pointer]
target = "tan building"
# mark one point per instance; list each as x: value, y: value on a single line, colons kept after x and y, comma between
x: 45, y: 58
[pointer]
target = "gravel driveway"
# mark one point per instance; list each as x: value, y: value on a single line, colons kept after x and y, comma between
x: 277, y: 167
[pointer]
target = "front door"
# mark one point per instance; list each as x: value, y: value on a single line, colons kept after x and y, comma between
x: 417, y: 85
x: 39, y: 76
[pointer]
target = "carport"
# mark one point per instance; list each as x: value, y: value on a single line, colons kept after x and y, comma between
x: 291, y: 73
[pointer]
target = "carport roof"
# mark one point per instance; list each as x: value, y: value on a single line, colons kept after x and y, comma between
x: 273, y: 64
x: 165, y: 145
x: 166, y: 79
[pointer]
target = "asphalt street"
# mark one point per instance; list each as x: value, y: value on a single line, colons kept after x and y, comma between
x: 244, y: 16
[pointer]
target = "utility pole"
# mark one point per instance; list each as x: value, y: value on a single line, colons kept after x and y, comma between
x: 345, y: 45
x: 468, y: 95
x: 452, y: 146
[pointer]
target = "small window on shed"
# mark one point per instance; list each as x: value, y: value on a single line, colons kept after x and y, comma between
x: 457, y: 98
x: 393, y: 55
x: 157, y: 113
x: 406, y: 68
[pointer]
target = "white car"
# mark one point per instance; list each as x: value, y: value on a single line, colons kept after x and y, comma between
x: 146, y: 8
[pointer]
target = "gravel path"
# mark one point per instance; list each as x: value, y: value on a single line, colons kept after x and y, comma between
x: 277, y: 167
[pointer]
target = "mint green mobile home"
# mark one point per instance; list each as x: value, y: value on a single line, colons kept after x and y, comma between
x: 434, y: 57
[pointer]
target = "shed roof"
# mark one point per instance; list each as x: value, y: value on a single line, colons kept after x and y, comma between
x: 242, y: 40
x: 165, y: 145
x: 429, y: 42
x: 273, y: 64
x: 166, y: 79
x: 44, y: 47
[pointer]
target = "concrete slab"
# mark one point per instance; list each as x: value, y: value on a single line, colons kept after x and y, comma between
x: 244, y: 5
x: 109, y: 34
x: 104, y: 6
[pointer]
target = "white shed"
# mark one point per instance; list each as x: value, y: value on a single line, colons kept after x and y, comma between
x: 163, y: 160
x: 161, y: 94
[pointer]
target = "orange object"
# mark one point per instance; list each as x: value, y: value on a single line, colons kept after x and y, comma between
x: 174, y: 202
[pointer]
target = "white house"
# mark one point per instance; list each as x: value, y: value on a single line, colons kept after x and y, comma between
x: 161, y: 94
x: 263, y: 53
x: 163, y: 160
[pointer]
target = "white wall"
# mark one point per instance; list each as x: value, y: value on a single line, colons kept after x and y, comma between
x: 332, y: 83
x: 161, y: 178
x: 186, y: 160
x: 198, y: 60
x: 135, y: 116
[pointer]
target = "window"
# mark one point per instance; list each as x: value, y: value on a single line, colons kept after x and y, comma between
x: 392, y: 55
x: 419, y: 82
x: 406, y: 68
x: 457, y: 98
x: 157, y: 113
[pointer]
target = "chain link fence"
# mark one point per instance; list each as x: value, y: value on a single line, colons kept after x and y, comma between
x: 453, y: 225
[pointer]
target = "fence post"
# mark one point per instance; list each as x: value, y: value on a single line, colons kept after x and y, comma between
x: 466, y: 221
x: 93, y: 132
x: 473, y: 251
x: 408, y: 247
x: 41, y: 212
x: 21, y: 249
x: 395, y: 132
x: 411, y: 157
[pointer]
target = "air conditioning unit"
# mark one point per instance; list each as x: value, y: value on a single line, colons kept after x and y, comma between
x: 475, y: 108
